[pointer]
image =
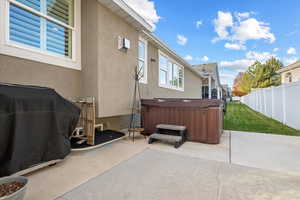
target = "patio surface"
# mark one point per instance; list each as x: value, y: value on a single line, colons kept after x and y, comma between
x: 278, y: 153
x: 157, y: 175
x: 266, y: 151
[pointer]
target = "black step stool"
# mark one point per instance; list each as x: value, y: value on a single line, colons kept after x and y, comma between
x: 169, y: 133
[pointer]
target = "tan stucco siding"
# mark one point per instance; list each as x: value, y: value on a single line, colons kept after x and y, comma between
x: 115, y: 67
x: 66, y: 82
x: 295, y: 75
x: 108, y: 73
x: 89, y: 53
x: 192, y: 83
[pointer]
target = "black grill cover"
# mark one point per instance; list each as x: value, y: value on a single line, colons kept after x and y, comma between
x: 35, y: 125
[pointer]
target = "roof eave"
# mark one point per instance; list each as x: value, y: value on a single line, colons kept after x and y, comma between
x: 120, y: 8
x: 162, y: 45
x: 289, y: 67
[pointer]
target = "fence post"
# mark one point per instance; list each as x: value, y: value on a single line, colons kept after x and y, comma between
x: 265, y: 101
x: 272, y: 103
x: 284, y: 103
x: 260, y: 101
x: 256, y: 100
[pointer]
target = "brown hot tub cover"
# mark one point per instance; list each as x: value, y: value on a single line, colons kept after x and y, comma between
x: 203, y: 118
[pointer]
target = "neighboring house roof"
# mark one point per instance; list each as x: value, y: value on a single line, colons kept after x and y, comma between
x: 123, y: 10
x: 290, y: 67
x: 209, y: 69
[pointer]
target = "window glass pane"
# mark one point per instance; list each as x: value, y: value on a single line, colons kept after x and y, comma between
x: 162, y: 77
x: 142, y: 50
x: 163, y: 62
x: 35, y: 4
x: 24, y: 27
x: 141, y: 69
x: 59, y: 39
x: 170, y: 73
x: 180, y: 72
x: 175, y: 75
x: 61, y: 10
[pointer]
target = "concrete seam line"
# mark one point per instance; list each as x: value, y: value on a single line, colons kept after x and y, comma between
x: 230, y: 161
x: 219, y: 189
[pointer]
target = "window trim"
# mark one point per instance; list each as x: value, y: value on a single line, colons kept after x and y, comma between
x: 144, y: 80
x: 169, y: 86
x: 11, y: 48
x: 289, y: 77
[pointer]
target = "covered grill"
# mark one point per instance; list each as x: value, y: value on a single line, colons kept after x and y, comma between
x: 35, y: 126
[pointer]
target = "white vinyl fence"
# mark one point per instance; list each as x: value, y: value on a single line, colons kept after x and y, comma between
x: 281, y: 103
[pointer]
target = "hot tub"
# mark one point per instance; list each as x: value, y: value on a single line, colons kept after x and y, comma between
x: 203, y: 118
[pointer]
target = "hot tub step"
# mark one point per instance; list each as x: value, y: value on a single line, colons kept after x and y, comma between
x: 168, y: 138
x: 171, y: 127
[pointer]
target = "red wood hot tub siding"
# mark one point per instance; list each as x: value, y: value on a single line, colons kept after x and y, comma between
x: 203, y: 118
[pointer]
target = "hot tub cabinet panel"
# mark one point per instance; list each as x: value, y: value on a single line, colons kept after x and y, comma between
x: 203, y: 118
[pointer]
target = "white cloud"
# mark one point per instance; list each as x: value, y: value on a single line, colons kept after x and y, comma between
x: 188, y: 57
x: 235, y: 46
x: 243, y: 15
x: 291, y: 51
x: 204, y: 59
x: 288, y: 61
x: 199, y: 23
x: 241, y: 29
x: 259, y: 56
x: 223, y: 21
x: 237, y: 65
x: 251, y: 29
x: 275, y: 49
x: 181, y: 40
x: 243, y: 64
x: 146, y: 9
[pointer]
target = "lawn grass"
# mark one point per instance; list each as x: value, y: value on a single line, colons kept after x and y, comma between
x: 240, y: 117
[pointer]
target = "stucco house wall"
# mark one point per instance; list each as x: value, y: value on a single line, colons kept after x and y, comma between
x: 111, y: 71
x: 67, y: 82
x: 295, y: 74
x: 192, y: 82
x: 115, y: 67
x: 106, y: 72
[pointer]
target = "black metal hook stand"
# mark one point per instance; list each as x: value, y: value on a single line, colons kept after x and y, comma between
x: 136, y: 106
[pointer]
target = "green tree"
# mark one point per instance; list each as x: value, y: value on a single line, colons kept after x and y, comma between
x: 246, y: 82
x: 265, y: 74
x: 261, y: 75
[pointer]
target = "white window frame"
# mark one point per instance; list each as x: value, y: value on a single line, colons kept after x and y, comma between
x: 168, y: 85
x: 145, y: 77
x: 11, y: 48
x: 165, y: 69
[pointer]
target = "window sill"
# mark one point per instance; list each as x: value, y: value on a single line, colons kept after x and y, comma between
x: 20, y: 51
x: 171, y: 88
x: 143, y: 82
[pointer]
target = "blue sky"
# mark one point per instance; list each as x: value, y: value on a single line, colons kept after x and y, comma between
x: 233, y: 33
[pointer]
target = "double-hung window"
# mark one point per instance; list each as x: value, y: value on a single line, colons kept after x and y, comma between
x: 142, y: 60
x: 47, y: 27
x: 171, y: 75
x: 163, y: 70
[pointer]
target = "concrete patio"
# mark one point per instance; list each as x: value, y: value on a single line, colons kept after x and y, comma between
x: 275, y: 156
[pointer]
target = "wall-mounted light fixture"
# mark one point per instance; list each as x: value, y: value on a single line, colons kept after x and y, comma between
x: 153, y: 60
x: 123, y: 43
